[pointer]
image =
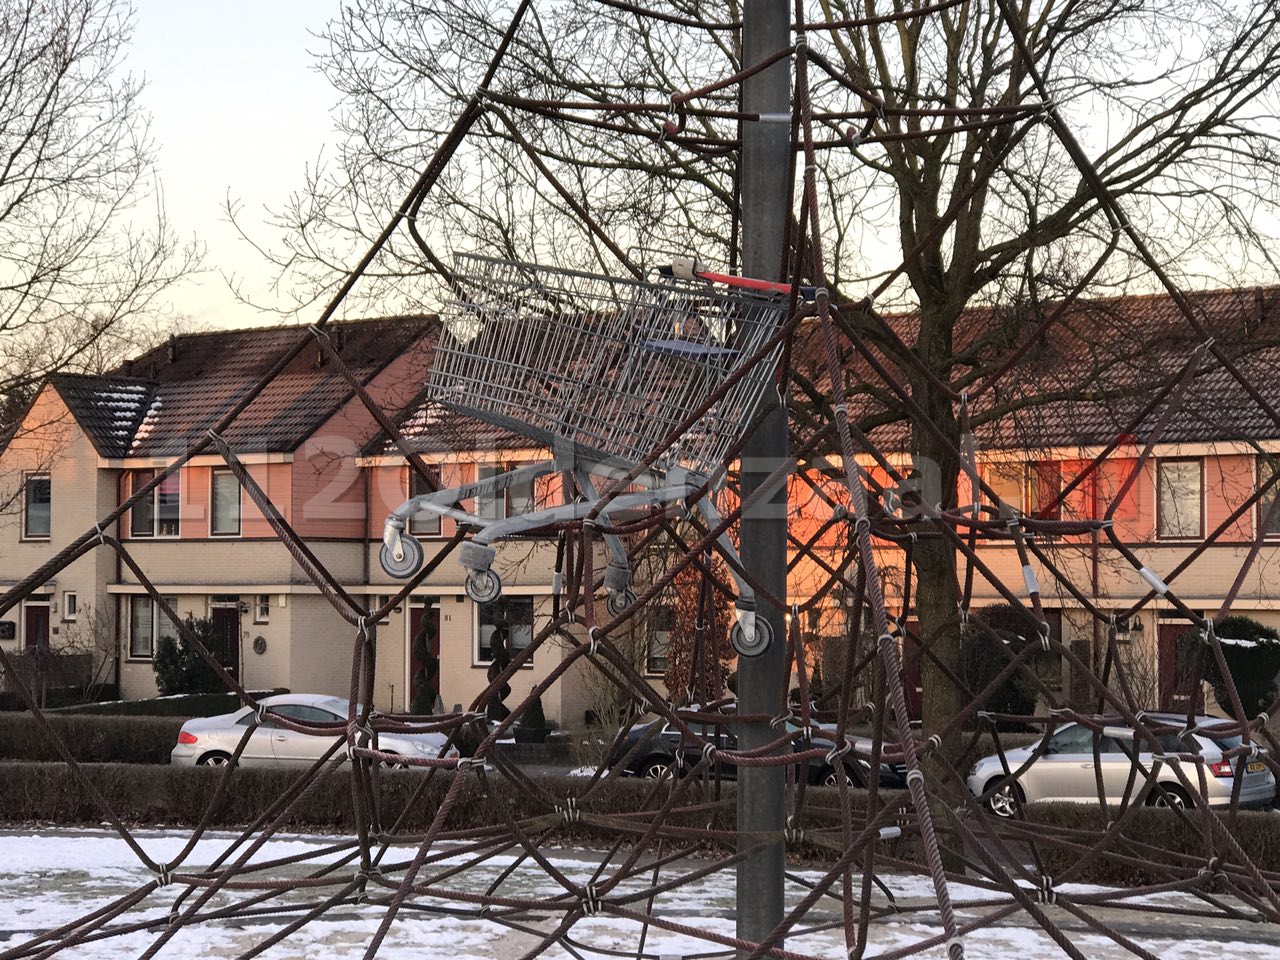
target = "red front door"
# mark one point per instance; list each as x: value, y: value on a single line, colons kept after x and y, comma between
x: 420, y: 672
x: 36, y: 633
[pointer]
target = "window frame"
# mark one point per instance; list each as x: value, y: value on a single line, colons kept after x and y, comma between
x: 261, y: 602
x: 69, y: 600
x: 502, y: 499
x: 477, y: 660
x: 1009, y: 470
x: 1037, y: 470
x: 155, y: 506
x: 27, y: 479
x: 651, y: 635
x: 213, y: 504
x: 156, y: 616
x: 1262, y: 505
x: 420, y: 525
x: 1179, y: 538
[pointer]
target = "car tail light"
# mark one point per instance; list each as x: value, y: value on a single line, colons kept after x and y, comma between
x: 184, y: 737
x: 1222, y: 768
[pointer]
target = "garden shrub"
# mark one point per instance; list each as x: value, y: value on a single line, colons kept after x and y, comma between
x: 985, y: 655
x: 179, y: 669
x: 1252, y: 653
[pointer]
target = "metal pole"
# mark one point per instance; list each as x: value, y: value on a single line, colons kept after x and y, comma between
x: 762, y: 680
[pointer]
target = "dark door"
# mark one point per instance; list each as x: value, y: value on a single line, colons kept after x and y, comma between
x: 424, y: 676
x: 37, y: 629
x: 226, y: 637
x: 1176, y: 686
x: 912, y: 670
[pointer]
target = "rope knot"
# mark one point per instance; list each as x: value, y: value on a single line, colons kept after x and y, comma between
x: 782, y: 719
x: 163, y: 875
x: 593, y: 645
x: 836, y: 752
x: 591, y: 902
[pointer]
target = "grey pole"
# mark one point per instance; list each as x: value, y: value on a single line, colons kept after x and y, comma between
x: 762, y: 680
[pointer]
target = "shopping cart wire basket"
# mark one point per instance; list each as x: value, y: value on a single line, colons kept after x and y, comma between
x: 601, y: 371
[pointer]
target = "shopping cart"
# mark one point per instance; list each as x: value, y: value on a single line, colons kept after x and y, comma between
x: 600, y: 371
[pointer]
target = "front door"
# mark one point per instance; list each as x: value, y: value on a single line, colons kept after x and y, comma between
x: 226, y: 636
x: 1175, y: 676
x: 424, y: 677
x: 36, y: 632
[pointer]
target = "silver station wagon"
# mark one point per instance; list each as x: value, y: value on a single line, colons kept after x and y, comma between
x: 210, y: 741
x: 1066, y: 771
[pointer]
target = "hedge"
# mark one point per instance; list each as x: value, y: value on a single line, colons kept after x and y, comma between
x: 59, y: 697
x: 178, y: 796
x: 1152, y: 839
x: 91, y: 739
x: 183, y: 705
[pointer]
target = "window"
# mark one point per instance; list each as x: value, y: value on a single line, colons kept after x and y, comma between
x: 425, y: 523
x: 1179, y: 499
x: 37, y: 511
x: 70, y: 605
x: 490, y: 505
x: 1006, y: 480
x: 225, y: 517
x: 378, y: 602
x: 155, y: 515
x: 262, y: 608
x: 513, y: 501
x: 514, y: 615
x: 1044, y: 486
x: 662, y: 624
x: 1265, y: 472
x: 148, y: 623
x: 1076, y: 738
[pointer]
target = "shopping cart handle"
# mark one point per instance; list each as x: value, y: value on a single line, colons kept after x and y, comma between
x: 689, y: 269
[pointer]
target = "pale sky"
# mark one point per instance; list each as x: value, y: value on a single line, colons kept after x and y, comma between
x: 237, y: 105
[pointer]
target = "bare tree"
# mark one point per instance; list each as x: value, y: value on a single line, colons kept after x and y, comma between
x: 936, y: 148
x: 85, y: 249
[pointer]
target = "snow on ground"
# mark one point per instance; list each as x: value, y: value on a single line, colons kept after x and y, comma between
x: 49, y: 880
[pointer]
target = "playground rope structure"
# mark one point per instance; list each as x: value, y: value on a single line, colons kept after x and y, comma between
x: 935, y: 828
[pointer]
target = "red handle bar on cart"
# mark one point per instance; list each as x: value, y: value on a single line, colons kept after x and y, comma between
x: 690, y: 269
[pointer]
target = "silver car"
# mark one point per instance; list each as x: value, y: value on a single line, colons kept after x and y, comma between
x: 210, y: 741
x: 1066, y: 771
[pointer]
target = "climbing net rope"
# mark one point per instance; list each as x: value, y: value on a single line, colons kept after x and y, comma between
x: 678, y: 834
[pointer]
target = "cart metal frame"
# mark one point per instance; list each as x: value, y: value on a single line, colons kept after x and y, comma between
x: 600, y: 370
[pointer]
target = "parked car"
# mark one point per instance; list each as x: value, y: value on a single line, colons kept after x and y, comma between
x: 1066, y: 771
x: 210, y: 741
x: 658, y: 758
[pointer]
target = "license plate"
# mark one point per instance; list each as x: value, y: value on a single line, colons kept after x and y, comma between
x: 1256, y: 767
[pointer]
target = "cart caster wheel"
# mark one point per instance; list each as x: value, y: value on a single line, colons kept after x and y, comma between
x: 483, y: 586
x: 406, y: 566
x: 618, y: 602
x: 754, y: 645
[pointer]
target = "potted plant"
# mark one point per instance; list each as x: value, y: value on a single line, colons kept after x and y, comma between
x: 532, y: 727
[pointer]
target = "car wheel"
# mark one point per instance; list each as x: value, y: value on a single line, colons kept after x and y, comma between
x: 1004, y: 802
x: 215, y: 758
x: 1173, y: 796
x: 657, y: 767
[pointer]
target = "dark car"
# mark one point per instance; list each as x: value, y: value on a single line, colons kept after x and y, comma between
x: 664, y: 754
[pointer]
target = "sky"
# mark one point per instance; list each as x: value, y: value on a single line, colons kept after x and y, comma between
x: 237, y: 106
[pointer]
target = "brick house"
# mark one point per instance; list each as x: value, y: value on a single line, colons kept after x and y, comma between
x: 1214, y: 451
x: 87, y: 442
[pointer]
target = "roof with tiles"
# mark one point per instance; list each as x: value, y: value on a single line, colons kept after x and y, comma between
x: 1088, y: 381
x: 162, y: 403
x: 1104, y: 360
x: 108, y: 408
